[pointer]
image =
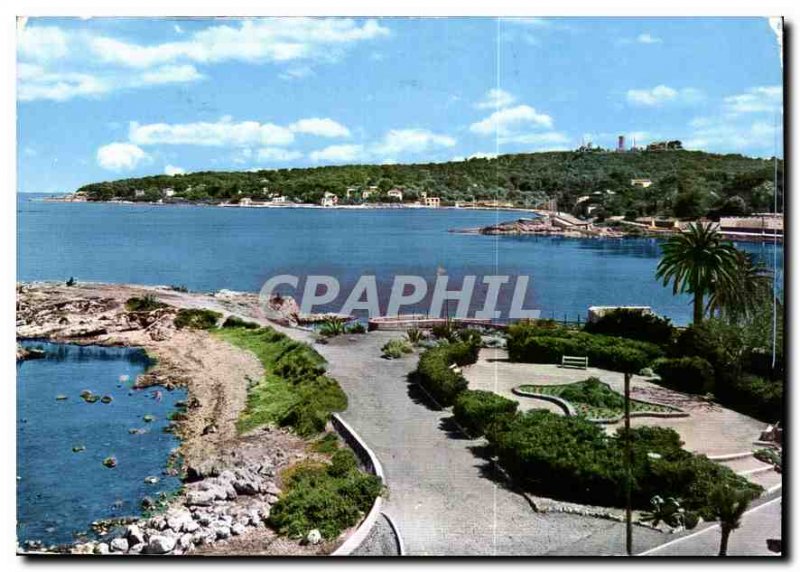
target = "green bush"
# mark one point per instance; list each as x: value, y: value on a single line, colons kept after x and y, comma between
x: 526, y: 343
x: 196, y: 319
x: 415, y: 335
x: 628, y: 323
x: 475, y: 410
x: 573, y: 459
x: 234, y: 322
x: 754, y: 396
x: 356, y: 328
x: 593, y: 392
x: 435, y: 373
x: 332, y: 327
x: 330, y: 498
x: 146, y: 303
x: 395, y: 349
x: 689, y: 374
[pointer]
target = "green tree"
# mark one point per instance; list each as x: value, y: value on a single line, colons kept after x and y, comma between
x: 728, y: 505
x: 697, y: 261
x: 746, y: 290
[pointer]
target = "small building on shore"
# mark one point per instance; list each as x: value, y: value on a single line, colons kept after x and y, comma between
x: 768, y: 224
x: 395, y: 194
x: 329, y: 200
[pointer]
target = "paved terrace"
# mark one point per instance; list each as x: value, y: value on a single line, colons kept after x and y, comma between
x: 710, y: 428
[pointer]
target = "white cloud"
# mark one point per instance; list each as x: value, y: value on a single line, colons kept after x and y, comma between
x: 646, y: 38
x: 277, y: 155
x: 81, y: 63
x: 172, y: 170
x: 170, y: 74
x: 720, y: 134
x: 764, y: 99
x: 505, y: 121
x: 405, y: 141
x: 41, y: 43
x: 35, y: 82
x: 223, y: 133
x: 662, y: 94
x: 496, y: 98
x: 321, y: 127
x: 121, y: 156
x: 254, y: 41
x: 530, y: 22
x: 338, y: 154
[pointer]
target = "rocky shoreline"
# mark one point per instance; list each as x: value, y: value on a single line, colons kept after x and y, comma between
x: 230, y: 480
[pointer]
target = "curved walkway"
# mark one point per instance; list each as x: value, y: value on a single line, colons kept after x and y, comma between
x: 443, y: 496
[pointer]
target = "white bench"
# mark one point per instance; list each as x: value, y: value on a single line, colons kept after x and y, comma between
x: 576, y: 362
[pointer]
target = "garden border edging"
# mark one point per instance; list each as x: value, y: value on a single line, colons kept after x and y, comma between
x: 372, y: 465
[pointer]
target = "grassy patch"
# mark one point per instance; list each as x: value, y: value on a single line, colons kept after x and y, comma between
x: 294, y: 392
x: 594, y: 399
x: 328, y: 443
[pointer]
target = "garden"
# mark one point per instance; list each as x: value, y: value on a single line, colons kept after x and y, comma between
x: 595, y: 400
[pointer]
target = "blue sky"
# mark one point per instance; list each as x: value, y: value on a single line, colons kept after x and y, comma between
x: 110, y: 98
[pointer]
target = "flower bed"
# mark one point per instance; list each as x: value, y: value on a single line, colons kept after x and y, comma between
x: 596, y: 401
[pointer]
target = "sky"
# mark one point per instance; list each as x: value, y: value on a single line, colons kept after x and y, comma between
x: 101, y: 99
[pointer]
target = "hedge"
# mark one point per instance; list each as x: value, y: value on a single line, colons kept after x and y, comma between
x: 689, y: 374
x: 573, y: 459
x: 476, y: 409
x: 618, y: 354
x: 435, y: 373
x: 754, y: 396
x: 633, y: 324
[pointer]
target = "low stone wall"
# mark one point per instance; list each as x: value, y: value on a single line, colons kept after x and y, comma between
x: 369, y: 462
x: 402, y: 323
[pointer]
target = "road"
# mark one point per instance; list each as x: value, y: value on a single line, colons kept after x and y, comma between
x: 759, y: 524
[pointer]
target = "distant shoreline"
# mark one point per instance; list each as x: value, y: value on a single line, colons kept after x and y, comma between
x: 375, y: 206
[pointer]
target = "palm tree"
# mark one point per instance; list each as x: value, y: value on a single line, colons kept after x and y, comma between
x: 728, y: 505
x: 750, y: 286
x: 696, y: 261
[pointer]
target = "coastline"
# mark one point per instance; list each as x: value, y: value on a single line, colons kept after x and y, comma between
x: 230, y: 480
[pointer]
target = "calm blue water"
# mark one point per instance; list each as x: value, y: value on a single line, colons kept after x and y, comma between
x: 206, y: 249
x: 59, y: 492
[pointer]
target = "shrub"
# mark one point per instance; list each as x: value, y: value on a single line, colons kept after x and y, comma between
x: 196, y: 319
x: 435, y: 374
x: 573, y: 459
x: 690, y: 374
x: 415, y: 335
x: 235, y: 322
x: 394, y: 349
x: 629, y: 323
x: 445, y: 331
x: 593, y: 392
x: 526, y: 344
x: 753, y: 396
x: 475, y: 409
x: 332, y: 327
x: 330, y: 498
x: 355, y: 328
x: 146, y: 303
